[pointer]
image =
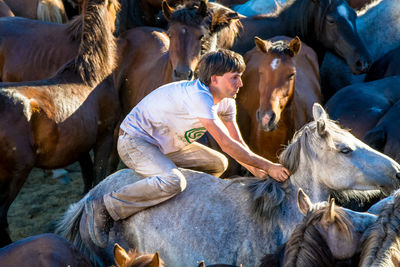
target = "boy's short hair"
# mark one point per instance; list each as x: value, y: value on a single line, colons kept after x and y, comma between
x: 218, y: 63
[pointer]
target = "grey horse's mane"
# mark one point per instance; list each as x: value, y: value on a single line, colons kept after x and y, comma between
x: 382, y: 236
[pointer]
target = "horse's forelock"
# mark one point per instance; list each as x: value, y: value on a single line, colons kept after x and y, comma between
x: 382, y: 235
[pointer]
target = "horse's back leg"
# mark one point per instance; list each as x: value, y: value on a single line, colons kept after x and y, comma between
x: 102, y: 150
x: 11, y: 183
x: 87, y: 172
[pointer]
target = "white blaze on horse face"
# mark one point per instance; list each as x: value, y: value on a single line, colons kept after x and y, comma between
x: 342, y: 10
x: 275, y: 63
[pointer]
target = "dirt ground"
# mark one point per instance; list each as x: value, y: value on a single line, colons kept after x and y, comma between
x: 41, y: 202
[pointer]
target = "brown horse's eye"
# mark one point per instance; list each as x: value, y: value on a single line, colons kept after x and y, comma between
x: 330, y: 20
x: 292, y: 76
x: 201, y: 37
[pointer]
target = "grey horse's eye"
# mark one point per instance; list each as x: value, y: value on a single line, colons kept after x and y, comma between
x: 346, y: 150
x: 330, y: 20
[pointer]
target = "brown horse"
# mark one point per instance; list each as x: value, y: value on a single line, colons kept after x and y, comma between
x: 133, y: 259
x: 280, y: 85
x: 322, y: 24
x: 5, y: 10
x: 150, y: 57
x: 46, y: 10
x: 43, y: 250
x: 325, y: 237
x: 382, y: 244
x: 54, y: 122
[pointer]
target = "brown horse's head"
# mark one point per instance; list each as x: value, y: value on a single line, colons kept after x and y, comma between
x: 277, y: 73
x: 192, y: 31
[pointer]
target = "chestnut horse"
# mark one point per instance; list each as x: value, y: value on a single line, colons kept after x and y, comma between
x: 280, y: 85
x: 42, y: 250
x: 5, y: 10
x: 134, y: 259
x: 322, y: 24
x: 46, y: 10
x: 54, y: 122
x: 150, y: 57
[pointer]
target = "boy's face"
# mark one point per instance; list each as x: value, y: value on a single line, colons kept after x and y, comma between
x: 227, y: 85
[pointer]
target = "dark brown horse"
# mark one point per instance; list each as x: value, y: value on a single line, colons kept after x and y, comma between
x: 54, y: 122
x: 150, y: 57
x: 134, y: 259
x: 359, y: 107
x: 43, y: 250
x: 385, y: 135
x: 280, y: 85
x: 322, y: 24
x: 46, y: 10
x: 385, y: 66
x: 5, y: 10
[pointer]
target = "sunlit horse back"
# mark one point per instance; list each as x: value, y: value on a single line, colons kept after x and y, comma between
x: 218, y: 220
x: 55, y: 122
x: 280, y: 85
x: 322, y: 24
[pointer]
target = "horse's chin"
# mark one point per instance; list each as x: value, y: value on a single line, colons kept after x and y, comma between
x: 267, y: 128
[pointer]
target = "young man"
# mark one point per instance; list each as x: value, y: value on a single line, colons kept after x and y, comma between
x: 159, y: 134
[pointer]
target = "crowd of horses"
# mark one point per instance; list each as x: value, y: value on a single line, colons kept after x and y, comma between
x: 65, y: 88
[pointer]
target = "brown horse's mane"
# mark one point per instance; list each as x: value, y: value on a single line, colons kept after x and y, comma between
x: 382, y: 236
x: 96, y: 53
x: 306, y: 247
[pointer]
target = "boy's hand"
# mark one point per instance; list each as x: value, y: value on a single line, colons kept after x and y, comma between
x: 278, y: 172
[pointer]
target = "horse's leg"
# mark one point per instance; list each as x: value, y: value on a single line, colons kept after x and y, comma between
x: 113, y: 160
x: 87, y: 171
x: 102, y: 150
x: 11, y: 183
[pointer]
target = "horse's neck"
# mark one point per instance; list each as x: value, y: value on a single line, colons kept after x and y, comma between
x: 303, y: 178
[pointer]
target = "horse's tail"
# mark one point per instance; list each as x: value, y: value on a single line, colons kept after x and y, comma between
x: 51, y: 11
x: 68, y: 226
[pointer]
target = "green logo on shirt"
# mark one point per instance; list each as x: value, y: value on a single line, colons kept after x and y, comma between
x: 194, y: 134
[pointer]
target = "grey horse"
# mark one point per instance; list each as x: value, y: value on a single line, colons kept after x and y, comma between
x: 238, y: 222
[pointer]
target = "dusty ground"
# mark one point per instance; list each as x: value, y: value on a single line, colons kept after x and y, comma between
x: 41, y: 202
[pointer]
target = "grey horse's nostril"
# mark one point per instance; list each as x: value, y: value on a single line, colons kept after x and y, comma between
x: 398, y: 175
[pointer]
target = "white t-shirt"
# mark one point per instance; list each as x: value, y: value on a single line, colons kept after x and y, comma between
x: 168, y: 116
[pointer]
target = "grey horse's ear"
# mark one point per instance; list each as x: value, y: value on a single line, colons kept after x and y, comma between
x: 320, y: 116
x: 202, y: 264
x: 303, y: 201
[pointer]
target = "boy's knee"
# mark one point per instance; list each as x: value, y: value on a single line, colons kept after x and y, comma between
x: 220, y: 166
x: 175, y: 183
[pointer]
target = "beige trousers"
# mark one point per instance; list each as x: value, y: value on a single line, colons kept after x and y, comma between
x: 163, y: 179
